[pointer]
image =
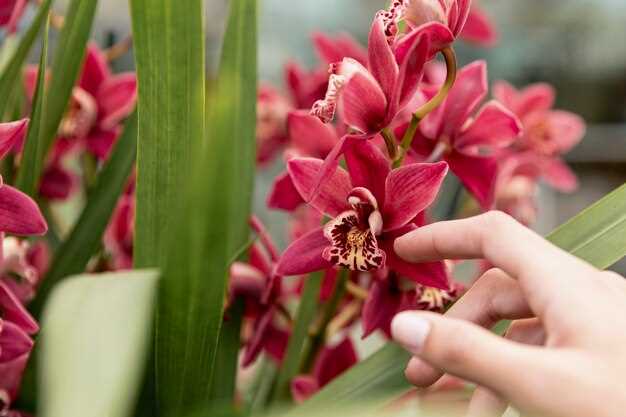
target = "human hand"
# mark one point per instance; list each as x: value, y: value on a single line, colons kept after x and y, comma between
x: 565, y: 353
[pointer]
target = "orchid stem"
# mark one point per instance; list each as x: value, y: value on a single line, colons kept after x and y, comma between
x: 432, y: 104
x: 390, y: 142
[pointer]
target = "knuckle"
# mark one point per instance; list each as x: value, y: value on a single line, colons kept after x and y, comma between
x: 497, y: 220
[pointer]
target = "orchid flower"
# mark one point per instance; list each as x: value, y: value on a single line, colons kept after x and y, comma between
x: 23, y: 265
x: 369, y: 206
x: 548, y: 133
x: 118, y: 237
x: 451, y: 13
x: 479, y: 28
x: 260, y: 289
x: 10, y: 13
x: 468, y: 142
x: 271, y: 132
x: 329, y: 364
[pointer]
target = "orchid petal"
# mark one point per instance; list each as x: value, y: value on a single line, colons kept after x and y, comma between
x: 368, y: 168
x: 468, y: 91
x: 506, y: 94
x: 57, y: 183
x: 568, y: 129
x: 116, y: 99
x: 19, y: 214
x: 11, y: 134
x: 410, y: 74
x: 95, y: 70
x: 303, y: 387
x: 100, y: 142
x: 479, y: 29
x: 283, y: 194
x: 12, y: 373
x: 255, y: 344
x: 304, y: 255
x: 333, y: 361
x: 458, y: 14
x: 14, y: 342
x: 478, y: 174
x: 363, y: 104
x: 439, y: 37
x: 410, y: 190
x: 381, y: 59
x: 332, y: 50
x: 13, y: 310
x: 10, y: 14
x: 333, y: 192
x: 494, y: 127
x: 559, y: 175
x: 380, y: 307
x: 309, y: 135
x: 538, y: 97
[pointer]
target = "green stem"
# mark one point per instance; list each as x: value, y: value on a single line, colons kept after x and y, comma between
x: 318, y: 337
x: 432, y: 104
x: 390, y: 142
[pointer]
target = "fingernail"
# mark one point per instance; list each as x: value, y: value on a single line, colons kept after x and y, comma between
x: 410, y: 330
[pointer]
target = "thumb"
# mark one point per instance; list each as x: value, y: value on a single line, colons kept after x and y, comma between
x: 468, y: 351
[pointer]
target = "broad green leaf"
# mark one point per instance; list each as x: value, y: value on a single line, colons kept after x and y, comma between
x: 211, y: 224
x: 293, y: 356
x: 169, y: 49
x: 11, y: 71
x: 597, y: 235
x: 34, y: 149
x: 86, y: 236
x: 94, y: 337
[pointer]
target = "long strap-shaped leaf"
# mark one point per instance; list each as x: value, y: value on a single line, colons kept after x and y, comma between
x: 34, y: 149
x: 597, y: 235
x: 169, y: 55
x: 86, y: 236
x: 11, y: 72
x: 211, y: 227
x: 95, y: 334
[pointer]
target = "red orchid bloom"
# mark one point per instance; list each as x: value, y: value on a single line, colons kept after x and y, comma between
x: 370, y: 206
x: 329, y: 364
x: 306, y: 87
x: 258, y: 286
x: 451, y: 13
x: 548, y: 133
x: 10, y: 13
x: 119, y: 235
x: 479, y: 28
x: 271, y: 130
x: 468, y: 143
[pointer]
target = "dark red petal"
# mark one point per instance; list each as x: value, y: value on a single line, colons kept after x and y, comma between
x: 116, y: 99
x: 304, y: 255
x: 303, y: 387
x: 11, y: 134
x: 382, y: 62
x: 283, y: 194
x: 95, y: 70
x: 331, y: 198
x: 368, y: 168
x: 13, y: 310
x: 333, y: 361
x: 409, y: 191
x: 363, y: 104
x: 478, y: 174
x: 380, y: 307
x: 14, y: 342
x: 19, y: 214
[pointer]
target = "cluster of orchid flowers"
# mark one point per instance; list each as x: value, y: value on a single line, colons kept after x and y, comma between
x: 368, y: 138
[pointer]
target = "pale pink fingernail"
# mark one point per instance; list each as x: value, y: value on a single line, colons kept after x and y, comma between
x: 410, y: 330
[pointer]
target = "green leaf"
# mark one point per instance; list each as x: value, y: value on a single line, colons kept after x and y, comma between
x: 597, y: 235
x: 94, y: 337
x: 293, y: 356
x: 211, y: 226
x: 169, y: 49
x: 86, y: 236
x: 11, y: 72
x: 34, y: 150
x: 66, y: 66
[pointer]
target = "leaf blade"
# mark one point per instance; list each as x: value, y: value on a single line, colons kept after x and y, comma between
x: 86, y: 350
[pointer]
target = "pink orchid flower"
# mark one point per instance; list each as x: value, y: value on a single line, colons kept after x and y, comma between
x: 329, y: 364
x: 451, y: 13
x: 548, y: 133
x: 370, y: 206
x: 468, y: 142
x: 23, y: 265
x: 256, y: 283
x: 479, y: 28
x: 10, y: 13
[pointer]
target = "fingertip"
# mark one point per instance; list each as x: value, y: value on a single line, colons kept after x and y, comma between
x: 410, y: 329
x: 404, y: 246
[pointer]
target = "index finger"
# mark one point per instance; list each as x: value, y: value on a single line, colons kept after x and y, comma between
x: 543, y: 269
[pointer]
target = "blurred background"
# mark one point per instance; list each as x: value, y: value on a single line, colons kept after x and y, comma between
x: 579, y: 46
